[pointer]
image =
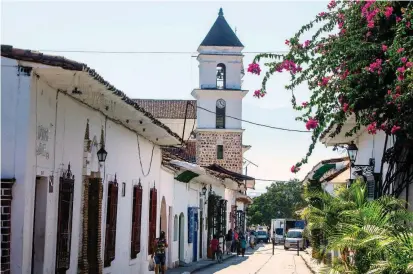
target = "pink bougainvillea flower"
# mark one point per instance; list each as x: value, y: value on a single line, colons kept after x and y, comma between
x: 322, y: 14
x: 372, y: 128
x: 400, y: 77
x: 388, y: 12
x: 409, y: 64
x: 304, y: 104
x: 376, y: 66
x: 287, y: 42
x: 398, y: 19
x: 345, y: 107
x: 401, y: 69
x: 345, y: 74
x: 394, y: 129
x: 332, y: 4
x: 403, y: 59
x: 389, y: 92
x: 306, y: 43
x: 408, y: 25
x: 370, y: 24
x: 400, y: 50
x: 384, y: 47
x: 324, y: 81
x: 259, y: 94
x: 398, y: 89
x: 294, y: 169
x: 311, y: 124
x: 254, y: 68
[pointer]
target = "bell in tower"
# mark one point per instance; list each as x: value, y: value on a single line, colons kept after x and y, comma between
x: 220, y: 80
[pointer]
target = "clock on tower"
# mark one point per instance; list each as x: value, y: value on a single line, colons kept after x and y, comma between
x: 219, y: 98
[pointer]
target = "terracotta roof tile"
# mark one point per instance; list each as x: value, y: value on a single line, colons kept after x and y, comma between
x: 169, y: 109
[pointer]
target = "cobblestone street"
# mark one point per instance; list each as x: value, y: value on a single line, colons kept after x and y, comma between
x: 262, y: 261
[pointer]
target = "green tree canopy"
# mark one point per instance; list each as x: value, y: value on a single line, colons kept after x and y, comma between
x: 281, y: 200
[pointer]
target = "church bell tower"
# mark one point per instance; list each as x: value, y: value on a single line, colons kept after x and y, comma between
x: 219, y: 96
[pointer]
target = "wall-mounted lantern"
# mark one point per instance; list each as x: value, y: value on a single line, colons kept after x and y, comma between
x: 352, y: 150
x: 102, y: 154
x: 204, y: 190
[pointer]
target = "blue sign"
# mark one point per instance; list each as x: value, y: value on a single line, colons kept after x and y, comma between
x: 191, y: 223
x: 300, y: 224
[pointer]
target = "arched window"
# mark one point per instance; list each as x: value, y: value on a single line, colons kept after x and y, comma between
x: 220, y: 113
x: 176, y: 228
x: 221, y: 76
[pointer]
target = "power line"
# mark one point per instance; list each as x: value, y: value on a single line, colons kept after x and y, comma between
x: 144, y: 52
x: 257, y: 124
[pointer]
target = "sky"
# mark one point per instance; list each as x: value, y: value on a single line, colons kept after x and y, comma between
x: 179, y: 27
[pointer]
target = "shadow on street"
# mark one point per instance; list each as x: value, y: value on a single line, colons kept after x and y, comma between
x: 238, y: 259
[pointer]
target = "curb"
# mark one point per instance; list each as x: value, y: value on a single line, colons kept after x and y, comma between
x: 206, y: 266
x: 308, y: 265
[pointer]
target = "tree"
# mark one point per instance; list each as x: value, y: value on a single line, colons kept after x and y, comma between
x: 281, y: 200
x: 372, y: 232
x: 365, y: 70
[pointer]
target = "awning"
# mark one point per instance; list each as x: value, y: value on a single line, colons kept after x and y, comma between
x: 322, y: 170
x: 249, y: 181
x: 186, y: 176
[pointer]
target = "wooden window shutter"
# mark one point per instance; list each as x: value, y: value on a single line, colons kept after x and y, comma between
x: 111, y: 218
x: 64, y: 222
x: 136, y: 221
x: 152, y: 218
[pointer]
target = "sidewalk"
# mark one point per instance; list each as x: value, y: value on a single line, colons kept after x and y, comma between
x: 310, y: 262
x: 195, y: 266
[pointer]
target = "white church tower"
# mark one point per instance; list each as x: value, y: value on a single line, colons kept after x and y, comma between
x: 219, y: 137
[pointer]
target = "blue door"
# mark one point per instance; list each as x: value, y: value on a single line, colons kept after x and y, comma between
x: 195, y: 238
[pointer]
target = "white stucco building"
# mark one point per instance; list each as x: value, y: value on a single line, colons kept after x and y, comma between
x: 383, y: 161
x: 68, y: 212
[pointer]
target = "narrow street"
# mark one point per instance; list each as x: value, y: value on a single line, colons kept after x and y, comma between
x: 262, y: 261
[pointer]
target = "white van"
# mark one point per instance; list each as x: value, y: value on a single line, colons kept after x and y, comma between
x: 293, y: 237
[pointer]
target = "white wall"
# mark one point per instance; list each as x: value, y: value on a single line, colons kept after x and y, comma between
x: 16, y: 116
x: 177, y: 126
x: 29, y: 108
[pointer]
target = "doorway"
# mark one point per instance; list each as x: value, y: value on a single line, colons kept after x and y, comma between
x: 195, y: 243
x: 39, y: 224
x: 181, y: 251
x: 170, y: 236
x: 163, y: 224
x: 201, y: 233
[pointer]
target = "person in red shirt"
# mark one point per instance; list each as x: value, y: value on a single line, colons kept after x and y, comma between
x: 214, y: 246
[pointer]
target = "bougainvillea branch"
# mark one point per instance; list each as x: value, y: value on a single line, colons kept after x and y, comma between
x: 358, y: 62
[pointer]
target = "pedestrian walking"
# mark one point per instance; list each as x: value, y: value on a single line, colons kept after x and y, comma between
x: 252, y: 240
x: 243, y: 245
x: 228, y: 241
x: 158, y: 252
x: 214, y: 246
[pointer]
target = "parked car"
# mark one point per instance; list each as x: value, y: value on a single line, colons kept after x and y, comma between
x: 293, y: 237
x: 262, y: 236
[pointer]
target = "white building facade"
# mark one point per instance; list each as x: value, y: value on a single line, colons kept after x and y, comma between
x: 383, y: 161
x: 70, y: 213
